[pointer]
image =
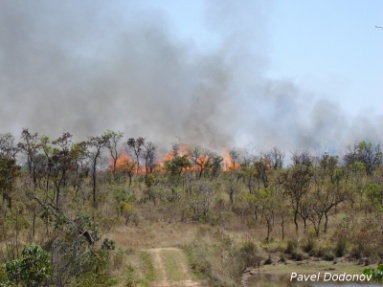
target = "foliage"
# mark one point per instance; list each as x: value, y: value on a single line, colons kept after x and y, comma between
x: 377, y: 274
x: 248, y: 254
x: 9, y: 171
x: 32, y: 269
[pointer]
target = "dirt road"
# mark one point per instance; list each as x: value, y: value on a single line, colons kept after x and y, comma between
x: 172, y: 269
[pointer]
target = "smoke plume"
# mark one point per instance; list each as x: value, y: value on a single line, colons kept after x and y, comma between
x: 85, y: 67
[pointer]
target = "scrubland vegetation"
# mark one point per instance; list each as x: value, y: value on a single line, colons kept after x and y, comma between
x: 67, y: 219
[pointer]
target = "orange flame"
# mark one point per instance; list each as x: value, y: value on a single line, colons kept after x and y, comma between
x: 228, y: 162
x: 125, y: 164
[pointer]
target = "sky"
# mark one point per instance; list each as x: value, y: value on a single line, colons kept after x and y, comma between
x: 292, y: 74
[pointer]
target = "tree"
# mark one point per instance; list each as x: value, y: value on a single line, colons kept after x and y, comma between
x: 357, y: 177
x: 33, y: 269
x: 249, y: 172
x: 282, y: 212
x: 296, y: 183
x: 149, y: 155
x: 267, y: 202
x: 262, y: 165
x: 367, y: 153
x: 234, y: 156
x: 112, y: 145
x: 328, y: 192
x: 303, y: 159
x: 216, y: 164
x: 7, y: 146
x: 9, y: 171
x: 200, y: 199
x: 275, y: 157
x: 136, y: 145
x: 63, y: 162
x: 200, y: 158
x: 128, y: 166
x: 58, y: 163
x: 232, y: 184
x: 178, y: 164
x: 96, y: 145
x: 30, y: 147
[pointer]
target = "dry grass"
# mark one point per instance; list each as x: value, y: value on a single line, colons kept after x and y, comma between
x: 151, y: 235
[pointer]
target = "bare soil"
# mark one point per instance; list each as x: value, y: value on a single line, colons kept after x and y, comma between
x: 163, y: 272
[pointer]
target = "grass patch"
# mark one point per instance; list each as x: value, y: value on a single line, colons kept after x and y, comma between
x: 174, y: 264
x: 150, y: 270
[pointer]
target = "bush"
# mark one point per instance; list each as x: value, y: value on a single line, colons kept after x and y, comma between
x: 328, y: 256
x: 340, y: 248
x: 248, y: 255
x: 3, y: 274
x: 32, y: 269
x: 310, y: 245
x: 268, y: 261
x: 377, y: 274
x: 292, y: 246
x: 297, y: 255
x: 198, y: 261
x: 357, y: 252
x: 201, y: 266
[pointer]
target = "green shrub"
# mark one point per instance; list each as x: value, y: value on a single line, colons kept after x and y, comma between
x: 3, y: 274
x: 377, y: 274
x: 32, y: 269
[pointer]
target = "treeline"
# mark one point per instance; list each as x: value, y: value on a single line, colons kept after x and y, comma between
x: 59, y: 200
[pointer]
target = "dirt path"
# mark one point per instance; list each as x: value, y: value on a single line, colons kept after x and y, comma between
x: 172, y: 269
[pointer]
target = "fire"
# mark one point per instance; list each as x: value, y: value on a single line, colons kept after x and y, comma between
x: 126, y: 164
x: 184, y: 150
x: 228, y: 162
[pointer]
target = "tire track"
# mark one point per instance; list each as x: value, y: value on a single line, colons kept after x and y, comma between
x: 158, y: 255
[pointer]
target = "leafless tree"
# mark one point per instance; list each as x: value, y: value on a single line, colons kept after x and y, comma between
x: 276, y: 158
x: 304, y: 159
x: 234, y: 155
x: 149, y: 155
x: 136, y: 146
x: 112, y: 145
x: 7, y: 146
x: 30, y: 147
x: 200, y: 158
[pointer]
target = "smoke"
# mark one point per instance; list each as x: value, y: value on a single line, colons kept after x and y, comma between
x: 86, y: 66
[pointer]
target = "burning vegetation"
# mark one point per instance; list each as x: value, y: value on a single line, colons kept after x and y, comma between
x: 183, y: 158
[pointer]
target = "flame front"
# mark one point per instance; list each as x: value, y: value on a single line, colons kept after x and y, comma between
x: 125, y: 163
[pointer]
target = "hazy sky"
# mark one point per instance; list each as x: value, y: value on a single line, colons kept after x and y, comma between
x: 295, y: 74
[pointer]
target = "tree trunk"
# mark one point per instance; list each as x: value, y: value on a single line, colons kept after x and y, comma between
x: 325, y: 223
x: 296, y: 222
